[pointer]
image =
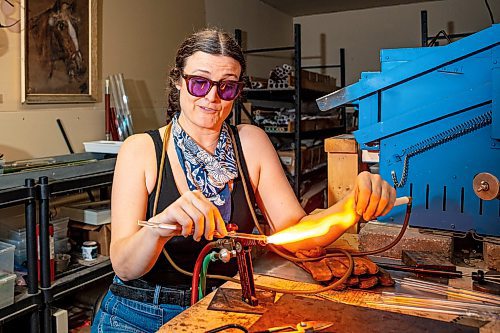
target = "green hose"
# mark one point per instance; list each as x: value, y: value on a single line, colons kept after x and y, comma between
x: 203, y: 274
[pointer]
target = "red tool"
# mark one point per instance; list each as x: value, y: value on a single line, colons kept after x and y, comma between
x: 239, y: 243
x: 242, y: 245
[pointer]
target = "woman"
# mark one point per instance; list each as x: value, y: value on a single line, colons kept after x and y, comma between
x: 201, y: 189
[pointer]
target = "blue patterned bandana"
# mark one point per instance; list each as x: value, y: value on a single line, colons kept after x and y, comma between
x: 210, y: 174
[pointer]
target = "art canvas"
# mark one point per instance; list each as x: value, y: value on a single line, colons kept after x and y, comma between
x: 59, y: 49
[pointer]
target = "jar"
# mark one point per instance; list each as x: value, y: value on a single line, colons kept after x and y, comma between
x: 89, y: 250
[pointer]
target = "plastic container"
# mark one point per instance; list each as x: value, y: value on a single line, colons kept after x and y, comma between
x: 18, y: 234
x: 20, y: 245
x: 7, y: 257
x: 60, y: 228
x: 61, y: 223
x: 20, y: 257
x: 60, y: 233
x: 62, y: 245
x: 7, y: 282
x: 62, y: 262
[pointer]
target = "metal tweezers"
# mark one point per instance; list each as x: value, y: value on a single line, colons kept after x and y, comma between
x: 231, y: 234
x: 168, y: 226
x: 258, y: 238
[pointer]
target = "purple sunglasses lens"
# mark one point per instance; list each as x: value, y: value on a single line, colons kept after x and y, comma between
x: 228, y: 90
x: 200, y: 86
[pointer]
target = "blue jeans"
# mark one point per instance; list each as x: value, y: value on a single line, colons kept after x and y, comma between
x: 120, y: 314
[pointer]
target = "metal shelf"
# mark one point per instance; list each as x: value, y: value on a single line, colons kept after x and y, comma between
x: 316, y: 170
x: 291, y: 98
x: 81, y: 183
x: 23, y: 303
x: 284, y: 95
x: 322, y: 133
x: 14, y: 196
x: 79, y: 279
x: 315, y: 134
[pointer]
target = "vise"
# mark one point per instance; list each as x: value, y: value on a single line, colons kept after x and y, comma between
x: 433, y: 115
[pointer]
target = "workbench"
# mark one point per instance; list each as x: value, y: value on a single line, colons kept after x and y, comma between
x: 199, y: 319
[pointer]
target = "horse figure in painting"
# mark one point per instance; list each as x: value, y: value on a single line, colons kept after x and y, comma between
x: 55, y: 32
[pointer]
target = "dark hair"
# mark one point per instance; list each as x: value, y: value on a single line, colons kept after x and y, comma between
x: 211, y: 41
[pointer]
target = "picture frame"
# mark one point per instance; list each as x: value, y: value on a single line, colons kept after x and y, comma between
x: 59, y: 51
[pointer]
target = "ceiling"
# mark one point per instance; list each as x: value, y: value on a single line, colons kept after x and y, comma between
x: 296, y: 8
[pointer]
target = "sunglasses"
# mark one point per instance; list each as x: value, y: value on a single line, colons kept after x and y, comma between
x: 199, y: 86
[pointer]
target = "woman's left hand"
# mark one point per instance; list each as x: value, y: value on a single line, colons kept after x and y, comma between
x: 373, y: 196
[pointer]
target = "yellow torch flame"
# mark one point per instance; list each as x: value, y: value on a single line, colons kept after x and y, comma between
x: 313, y: 228
x: 320, y: 224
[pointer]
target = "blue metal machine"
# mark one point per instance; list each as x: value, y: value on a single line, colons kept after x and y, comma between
x: 433, y: 113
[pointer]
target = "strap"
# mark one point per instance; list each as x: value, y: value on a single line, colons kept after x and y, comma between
x: 155, y: 135
x: 166, y: 295
x: 159, y: 177
x: 241, y: 160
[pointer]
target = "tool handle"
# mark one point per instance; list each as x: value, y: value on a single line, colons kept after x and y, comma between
x: 402, y: 201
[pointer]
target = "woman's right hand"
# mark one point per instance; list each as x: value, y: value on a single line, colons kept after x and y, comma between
x: 192, y: 210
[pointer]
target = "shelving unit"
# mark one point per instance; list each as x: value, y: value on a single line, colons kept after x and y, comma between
x: 29, y: 300
x: 292, y: 98
x: 86, y: 275
x: 64, y: 180
x: 424, y: 32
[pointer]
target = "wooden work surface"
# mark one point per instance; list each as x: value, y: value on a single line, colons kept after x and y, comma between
x: 199, y: 319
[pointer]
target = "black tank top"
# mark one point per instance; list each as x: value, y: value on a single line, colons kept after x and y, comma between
x: 184, y: 251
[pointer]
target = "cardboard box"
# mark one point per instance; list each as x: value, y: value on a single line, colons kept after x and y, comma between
x: 80, y: 232
x: 288, y: 159
x: 309, y: 158
x: 315, y: 81
x: 96, y: 213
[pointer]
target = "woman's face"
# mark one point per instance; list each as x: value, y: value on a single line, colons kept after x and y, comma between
x: 210, y: 111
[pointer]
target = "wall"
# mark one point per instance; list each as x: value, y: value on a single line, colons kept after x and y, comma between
x: 364, y: 32
x: 139, y: 39
x: 136, y: 38
x: 262, y: 27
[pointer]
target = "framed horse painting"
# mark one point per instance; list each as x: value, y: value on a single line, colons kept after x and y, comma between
x: 59, y: 51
